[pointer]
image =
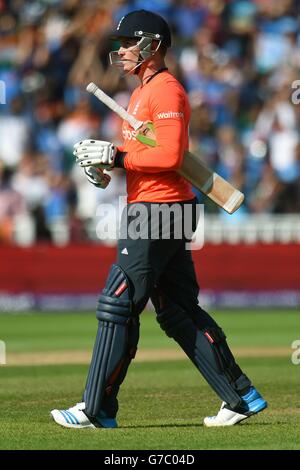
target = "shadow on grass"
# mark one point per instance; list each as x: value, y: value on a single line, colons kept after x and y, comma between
x: 200, y: 425
x: 146, y: 426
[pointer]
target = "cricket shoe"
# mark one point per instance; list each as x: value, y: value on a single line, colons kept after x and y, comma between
x: 252, y: 403
x: 75, y: 417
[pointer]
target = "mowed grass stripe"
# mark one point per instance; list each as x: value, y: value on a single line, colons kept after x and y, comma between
x: 143, y: 355
x: 66, y: 331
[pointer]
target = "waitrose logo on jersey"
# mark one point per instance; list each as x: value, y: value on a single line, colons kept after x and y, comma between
x: 170, y: 114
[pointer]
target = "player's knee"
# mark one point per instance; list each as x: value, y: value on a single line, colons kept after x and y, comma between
x: 115, y: 301
x: 171, y: 317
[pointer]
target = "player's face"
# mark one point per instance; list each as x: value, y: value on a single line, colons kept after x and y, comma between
x: 128, y: 54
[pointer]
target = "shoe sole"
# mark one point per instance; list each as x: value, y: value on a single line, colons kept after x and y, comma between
x: 231, y: 422
x: 238, y: 418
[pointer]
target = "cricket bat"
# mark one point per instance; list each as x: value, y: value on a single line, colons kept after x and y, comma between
x: 193, y: 169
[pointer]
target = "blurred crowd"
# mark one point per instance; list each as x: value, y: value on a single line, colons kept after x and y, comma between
x: 237, y: 59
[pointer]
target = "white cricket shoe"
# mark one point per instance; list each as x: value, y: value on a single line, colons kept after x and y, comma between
x: 73, y: 417
x: 225, y: 417
x: 252, y: 403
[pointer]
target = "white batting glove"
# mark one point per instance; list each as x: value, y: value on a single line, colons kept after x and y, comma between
x: 96, y: 153
x: 97, y: 177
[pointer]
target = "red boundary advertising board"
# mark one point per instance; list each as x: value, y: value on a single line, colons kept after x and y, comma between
x: 82, y: 269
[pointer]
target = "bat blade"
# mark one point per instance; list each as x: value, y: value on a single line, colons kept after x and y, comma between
x: 210, y: 183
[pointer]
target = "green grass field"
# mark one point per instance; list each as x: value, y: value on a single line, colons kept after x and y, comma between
x: 162, y: 402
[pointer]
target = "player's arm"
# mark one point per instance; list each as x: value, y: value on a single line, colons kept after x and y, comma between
x: 168, y: 117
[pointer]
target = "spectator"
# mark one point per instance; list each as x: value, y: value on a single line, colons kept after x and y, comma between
x: 14, y: 134
x: 277, y: 125
x: 11, y: 205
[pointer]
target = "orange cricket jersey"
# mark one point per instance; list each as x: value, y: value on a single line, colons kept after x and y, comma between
x: 151, y: 171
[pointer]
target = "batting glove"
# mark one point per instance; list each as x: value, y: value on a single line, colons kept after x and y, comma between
x: 96, y: 153
x: 97, y: 177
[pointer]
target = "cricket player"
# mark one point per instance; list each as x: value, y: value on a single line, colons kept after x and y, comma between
x: 152, y: 265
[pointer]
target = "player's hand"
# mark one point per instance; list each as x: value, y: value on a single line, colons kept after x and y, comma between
x: 97, y: 177
x: 96, y: 153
